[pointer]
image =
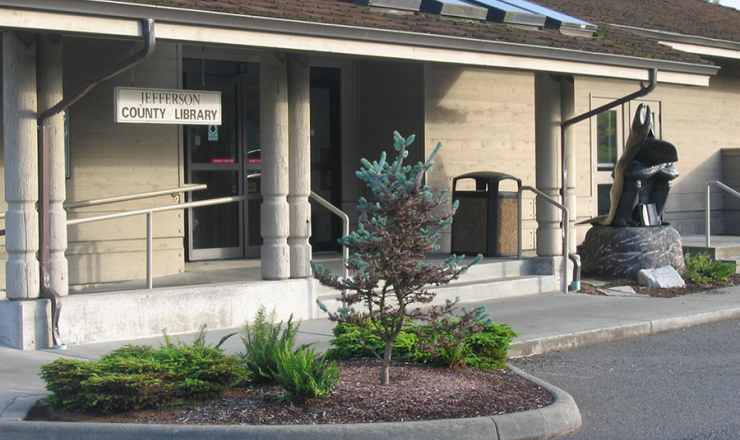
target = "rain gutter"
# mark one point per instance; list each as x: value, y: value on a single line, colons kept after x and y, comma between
x: 653, y: 81
x: 229, y: 20
x: 44, y: 169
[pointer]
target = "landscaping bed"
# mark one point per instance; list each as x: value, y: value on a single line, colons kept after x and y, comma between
x: 670, y: 292
x: 415, y: 392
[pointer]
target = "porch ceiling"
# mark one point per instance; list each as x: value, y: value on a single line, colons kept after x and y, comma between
x: 341, y: 27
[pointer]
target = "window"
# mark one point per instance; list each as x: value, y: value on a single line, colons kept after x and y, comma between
x: 610, y: 130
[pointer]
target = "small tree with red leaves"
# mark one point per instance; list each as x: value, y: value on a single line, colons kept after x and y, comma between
x: 394, y: 234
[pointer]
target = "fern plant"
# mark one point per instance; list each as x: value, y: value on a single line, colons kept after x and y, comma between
x: 303, y: 375
x: 264, y: 339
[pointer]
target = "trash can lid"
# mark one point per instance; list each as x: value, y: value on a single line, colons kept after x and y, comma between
x: 489, y: 176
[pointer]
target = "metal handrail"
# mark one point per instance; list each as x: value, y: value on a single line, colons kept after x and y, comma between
x: 709, y: 191
x: 345, y: 227
x: 566, y: 231
x: 149, y: 222
x: 326, y: 204
x: 115, y: 199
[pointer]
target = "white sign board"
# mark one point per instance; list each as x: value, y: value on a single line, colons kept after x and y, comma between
x: 160, y: 106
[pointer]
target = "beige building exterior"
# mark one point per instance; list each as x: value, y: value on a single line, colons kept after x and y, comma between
x: 496, y: 105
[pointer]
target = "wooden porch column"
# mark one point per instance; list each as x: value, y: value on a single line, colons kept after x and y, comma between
x: 547, y: 153
x: 21, y: 162
x: 299, y: 109
x: 50, y: 92
x: 275, y: 253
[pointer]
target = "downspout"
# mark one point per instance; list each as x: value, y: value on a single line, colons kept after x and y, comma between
x: 653, y: 78
x: 44, y: 182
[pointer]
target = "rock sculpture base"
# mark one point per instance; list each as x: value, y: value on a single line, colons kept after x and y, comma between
x: 621, y: 252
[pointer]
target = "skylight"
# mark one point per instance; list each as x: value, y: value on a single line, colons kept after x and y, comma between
x: 454, y: 8
x: 406, y: 5
x: 507, y: 13
x: 555, y: 19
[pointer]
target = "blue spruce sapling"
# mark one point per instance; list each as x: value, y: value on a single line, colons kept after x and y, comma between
x: 394, y: 234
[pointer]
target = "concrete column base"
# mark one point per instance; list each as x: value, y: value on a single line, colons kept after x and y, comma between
x: 544, y: 266
x: 25, y: 324
x: 553, y: 266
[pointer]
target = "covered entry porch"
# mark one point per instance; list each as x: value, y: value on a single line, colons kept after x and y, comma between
x: 492, y: 109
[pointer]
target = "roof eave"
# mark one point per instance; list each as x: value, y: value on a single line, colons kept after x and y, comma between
x: 223, y: 20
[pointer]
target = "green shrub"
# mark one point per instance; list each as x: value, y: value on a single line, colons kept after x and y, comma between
x: 303, y: 375
x: 490, y: 347
x: 351, y: 342
x: 137, y: 377
x: 263, y: 340
x: 700, y: 269
x: 485, y: 349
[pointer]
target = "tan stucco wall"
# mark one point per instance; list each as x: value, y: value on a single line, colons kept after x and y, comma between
x: 110, y: 159
x: 485, y: 121
x: 388, y: 100
x: 700, y: 121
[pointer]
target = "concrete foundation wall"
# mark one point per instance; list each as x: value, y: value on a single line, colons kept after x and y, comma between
x: 119, y: 316
x: 485, y: 121
x: 127, y: 315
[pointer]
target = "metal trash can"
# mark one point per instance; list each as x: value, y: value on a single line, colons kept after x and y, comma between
x: 486, y: 218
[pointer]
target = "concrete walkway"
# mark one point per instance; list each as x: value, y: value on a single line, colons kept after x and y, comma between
x: 547, y: 322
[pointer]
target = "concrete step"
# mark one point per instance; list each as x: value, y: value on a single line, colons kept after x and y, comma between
x: 485, y: 269
x: 500, y: 268
x: 735, y: 261
x: 470, y: 291
x: 495, y: 288
x: 724, y: 251
x: 714, y: 252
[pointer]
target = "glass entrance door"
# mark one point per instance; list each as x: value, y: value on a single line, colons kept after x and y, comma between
x: 228, y: 159
x: 221, y: 157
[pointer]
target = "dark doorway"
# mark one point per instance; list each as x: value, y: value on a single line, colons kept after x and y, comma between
x: 326, y: 179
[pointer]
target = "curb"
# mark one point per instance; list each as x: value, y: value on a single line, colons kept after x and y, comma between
x: 557, y: 419
x: 560, y: 418
x: 18, y: 404
x: 599, y: 336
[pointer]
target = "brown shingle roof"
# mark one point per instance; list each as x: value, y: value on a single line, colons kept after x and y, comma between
x: 687, y: 17
x: 608, y: 39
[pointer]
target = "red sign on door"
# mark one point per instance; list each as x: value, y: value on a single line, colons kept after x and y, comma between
x: 223, y: 160
x: 254, y: 160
